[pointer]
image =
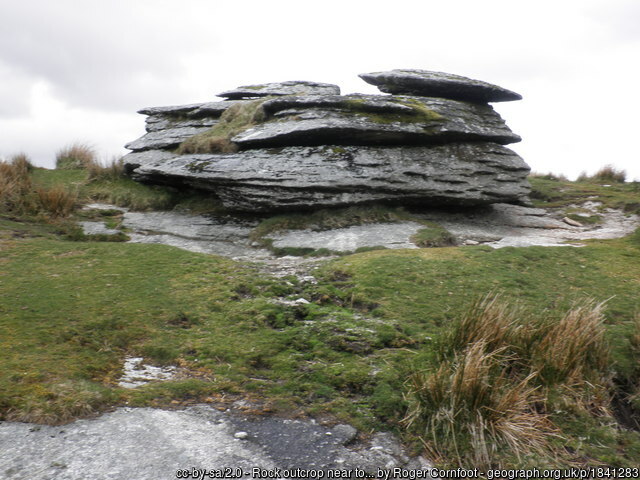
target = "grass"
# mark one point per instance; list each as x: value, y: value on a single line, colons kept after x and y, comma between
x: 419, y: 112
x: 500, y: 373
x: 607, y: 174
x: 112, y: 171
x: 234, y: 120
x: 552, y: 193
x: 471, y: 408
x: 391, y: 339
x: 73, y: 157
x: 433, y: 236
x: 16, y: 196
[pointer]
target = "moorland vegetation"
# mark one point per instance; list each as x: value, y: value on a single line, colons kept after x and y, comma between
x: 480, y: 357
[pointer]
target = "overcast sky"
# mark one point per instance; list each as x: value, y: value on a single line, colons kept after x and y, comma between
x: 78, y: 70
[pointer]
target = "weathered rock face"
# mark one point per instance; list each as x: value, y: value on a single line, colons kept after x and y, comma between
x: 332, y: 176
x: 312, y: 147
x: 372, y: 120
x: 282, y: 88
x: 438, y: 84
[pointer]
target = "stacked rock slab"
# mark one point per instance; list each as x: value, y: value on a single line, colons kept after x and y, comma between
x: 434, y: 141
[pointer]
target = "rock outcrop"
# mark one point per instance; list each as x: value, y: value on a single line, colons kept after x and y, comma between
x: 438, y: 84
x: 297, y: 145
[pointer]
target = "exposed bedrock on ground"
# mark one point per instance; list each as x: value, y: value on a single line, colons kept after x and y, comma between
x: 299, y: 145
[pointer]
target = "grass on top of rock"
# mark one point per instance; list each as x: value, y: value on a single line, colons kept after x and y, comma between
x: 419, y: 112
x: 235, y: 119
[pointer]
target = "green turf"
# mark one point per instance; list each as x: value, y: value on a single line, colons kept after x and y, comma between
x: 70, y: 311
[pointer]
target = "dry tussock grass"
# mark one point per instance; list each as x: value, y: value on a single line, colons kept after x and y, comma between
x: 474, y: 408
x: 15, y: 186
x: 78, y: 155
x: 607, y: 174
x: 113, y: 170
x: 500, y: 374
x: 58, y: 201
x: 18, y: 196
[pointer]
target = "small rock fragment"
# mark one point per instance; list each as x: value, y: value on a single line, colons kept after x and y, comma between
x: 345, y: 433
x: 572, y: 222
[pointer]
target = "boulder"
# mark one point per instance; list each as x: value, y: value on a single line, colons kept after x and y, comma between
x: 281, y: 88
x: 332, y: 176
x: 438, y: 84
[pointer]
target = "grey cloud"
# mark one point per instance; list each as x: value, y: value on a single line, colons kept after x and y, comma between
x: 15, y: 89
x: 94, y: 54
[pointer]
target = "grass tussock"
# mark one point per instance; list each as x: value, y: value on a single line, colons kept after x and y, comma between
x: 500, y: 375
x: 113, y: 170
x: 76, y: 156
x: 57, y: 201
x: 22, y: 163
x: 472, y: 408
x: 549, y: 176
x: 16, y: 187
x: 607, y: 174
x: 19, y: 196
x: 433, y: 236
x: 234, y: 120
x: 574, y: 350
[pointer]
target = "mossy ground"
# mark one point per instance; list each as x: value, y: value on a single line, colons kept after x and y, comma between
x: 70, y: 311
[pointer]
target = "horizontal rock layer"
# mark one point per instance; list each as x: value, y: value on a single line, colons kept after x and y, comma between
x: 169, y: 138
x: 438, y: 84
x: 193, y: 110
x: 374, y: 120
x: 331, y: 176
x: 281, y: 88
